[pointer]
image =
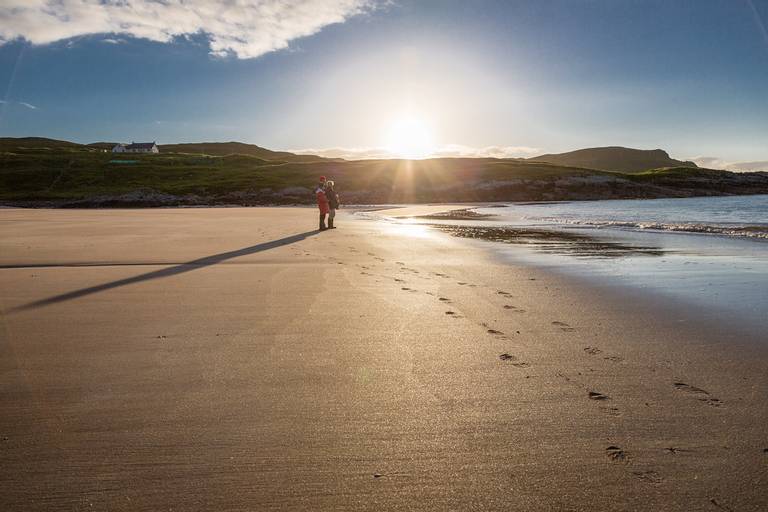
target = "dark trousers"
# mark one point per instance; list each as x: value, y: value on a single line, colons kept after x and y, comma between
x: 322, y: 220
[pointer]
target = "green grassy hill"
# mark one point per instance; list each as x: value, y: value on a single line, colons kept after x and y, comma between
x: 230, y: 148
x: 41, y: 171
x: 615, y: 158
x: 37, y: 144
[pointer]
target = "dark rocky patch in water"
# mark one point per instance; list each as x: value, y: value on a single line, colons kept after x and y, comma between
x: 551, y: 241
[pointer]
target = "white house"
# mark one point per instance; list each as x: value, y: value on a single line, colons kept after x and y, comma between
x: 136, y: 147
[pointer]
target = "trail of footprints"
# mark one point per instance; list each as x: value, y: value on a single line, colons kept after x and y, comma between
x: 614, y: 453
x: 511, y: 359
x: 695, y: 392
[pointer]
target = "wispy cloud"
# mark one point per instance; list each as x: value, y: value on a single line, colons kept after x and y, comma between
x: 346, y: 153
x: 246, y: 28
x: 713, y: 162
x: 22, y: 103
x: 457, y: 150
x: 112, y: 40
x: 448, y: 151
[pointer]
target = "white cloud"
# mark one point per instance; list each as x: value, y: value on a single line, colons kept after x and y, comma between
x: 449, y: 151
x: 22, y: 103
x: 712, y: 162
x: 112, y: 40
x: 245, y: 28
x: 346, y: 153
x: 457, y: 150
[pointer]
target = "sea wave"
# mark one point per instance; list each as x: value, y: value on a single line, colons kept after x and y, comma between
x: 748, y: 231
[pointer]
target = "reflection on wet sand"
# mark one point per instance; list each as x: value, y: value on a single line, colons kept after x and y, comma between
x: 554, y: 242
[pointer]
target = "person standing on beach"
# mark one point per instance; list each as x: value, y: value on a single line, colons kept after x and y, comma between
x: 333, y: 202
x: 322, y: 202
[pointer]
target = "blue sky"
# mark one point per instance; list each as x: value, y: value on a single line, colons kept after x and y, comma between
x: 503, y: 78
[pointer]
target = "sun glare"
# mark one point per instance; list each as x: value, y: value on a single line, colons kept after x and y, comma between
x: 410, y: 138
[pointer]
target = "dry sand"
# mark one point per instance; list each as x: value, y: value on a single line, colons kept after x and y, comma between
x: 233, y: 359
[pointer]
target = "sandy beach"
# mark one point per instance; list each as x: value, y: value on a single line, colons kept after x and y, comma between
x: 237, y: 359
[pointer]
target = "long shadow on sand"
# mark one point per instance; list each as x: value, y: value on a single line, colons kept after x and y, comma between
x: 167, y: 272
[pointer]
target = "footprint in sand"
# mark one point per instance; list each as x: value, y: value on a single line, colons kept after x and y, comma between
x: 614, y: 359
x: 563, y: 326
x: 720, y: 505
x: 399, y: 280
x: 400, y: 263
x: 515, y: 309
x: 501, y: 292
x: 495, y: 332
x: 611, y: 411
x: 593, y: 351
x: 616, y: 454
x: 650, y: 477
x: 513, y: 360
x: 674, y: 451
x: 594, y: 395
x: 444, y: 299
x: 698, y: 393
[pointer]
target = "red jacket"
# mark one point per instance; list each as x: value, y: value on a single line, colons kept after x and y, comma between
x: 322, y: 201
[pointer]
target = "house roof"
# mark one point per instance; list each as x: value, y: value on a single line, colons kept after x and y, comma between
x: 140, y: 145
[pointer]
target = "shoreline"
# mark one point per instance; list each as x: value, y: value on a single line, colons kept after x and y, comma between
x: 722, y: 273
x: 131, y: 203
x: 495, y: 243
x: 386, y: 364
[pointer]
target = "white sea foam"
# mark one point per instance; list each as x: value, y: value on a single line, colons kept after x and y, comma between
x: 749, y: 231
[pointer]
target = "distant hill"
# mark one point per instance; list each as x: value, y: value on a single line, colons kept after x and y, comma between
x: 206, y: 148
x: 35, y: 143
x: 614, y: 158
x: 46, y: 172
x: 238, y: 148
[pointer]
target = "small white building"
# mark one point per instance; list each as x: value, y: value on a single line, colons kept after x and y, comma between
x: 136, y: 147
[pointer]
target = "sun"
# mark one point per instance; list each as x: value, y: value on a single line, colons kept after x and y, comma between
x: 410, y: 137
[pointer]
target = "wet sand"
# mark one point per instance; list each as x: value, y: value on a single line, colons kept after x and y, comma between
x: 234, y: 359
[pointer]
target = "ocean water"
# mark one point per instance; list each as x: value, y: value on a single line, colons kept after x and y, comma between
x: 742, y: 216
x: 711, y: 252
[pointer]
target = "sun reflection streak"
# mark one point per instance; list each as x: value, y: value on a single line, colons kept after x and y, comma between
x: 410, y: 229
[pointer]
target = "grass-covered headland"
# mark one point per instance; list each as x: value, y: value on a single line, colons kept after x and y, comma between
x: 44, y: 172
